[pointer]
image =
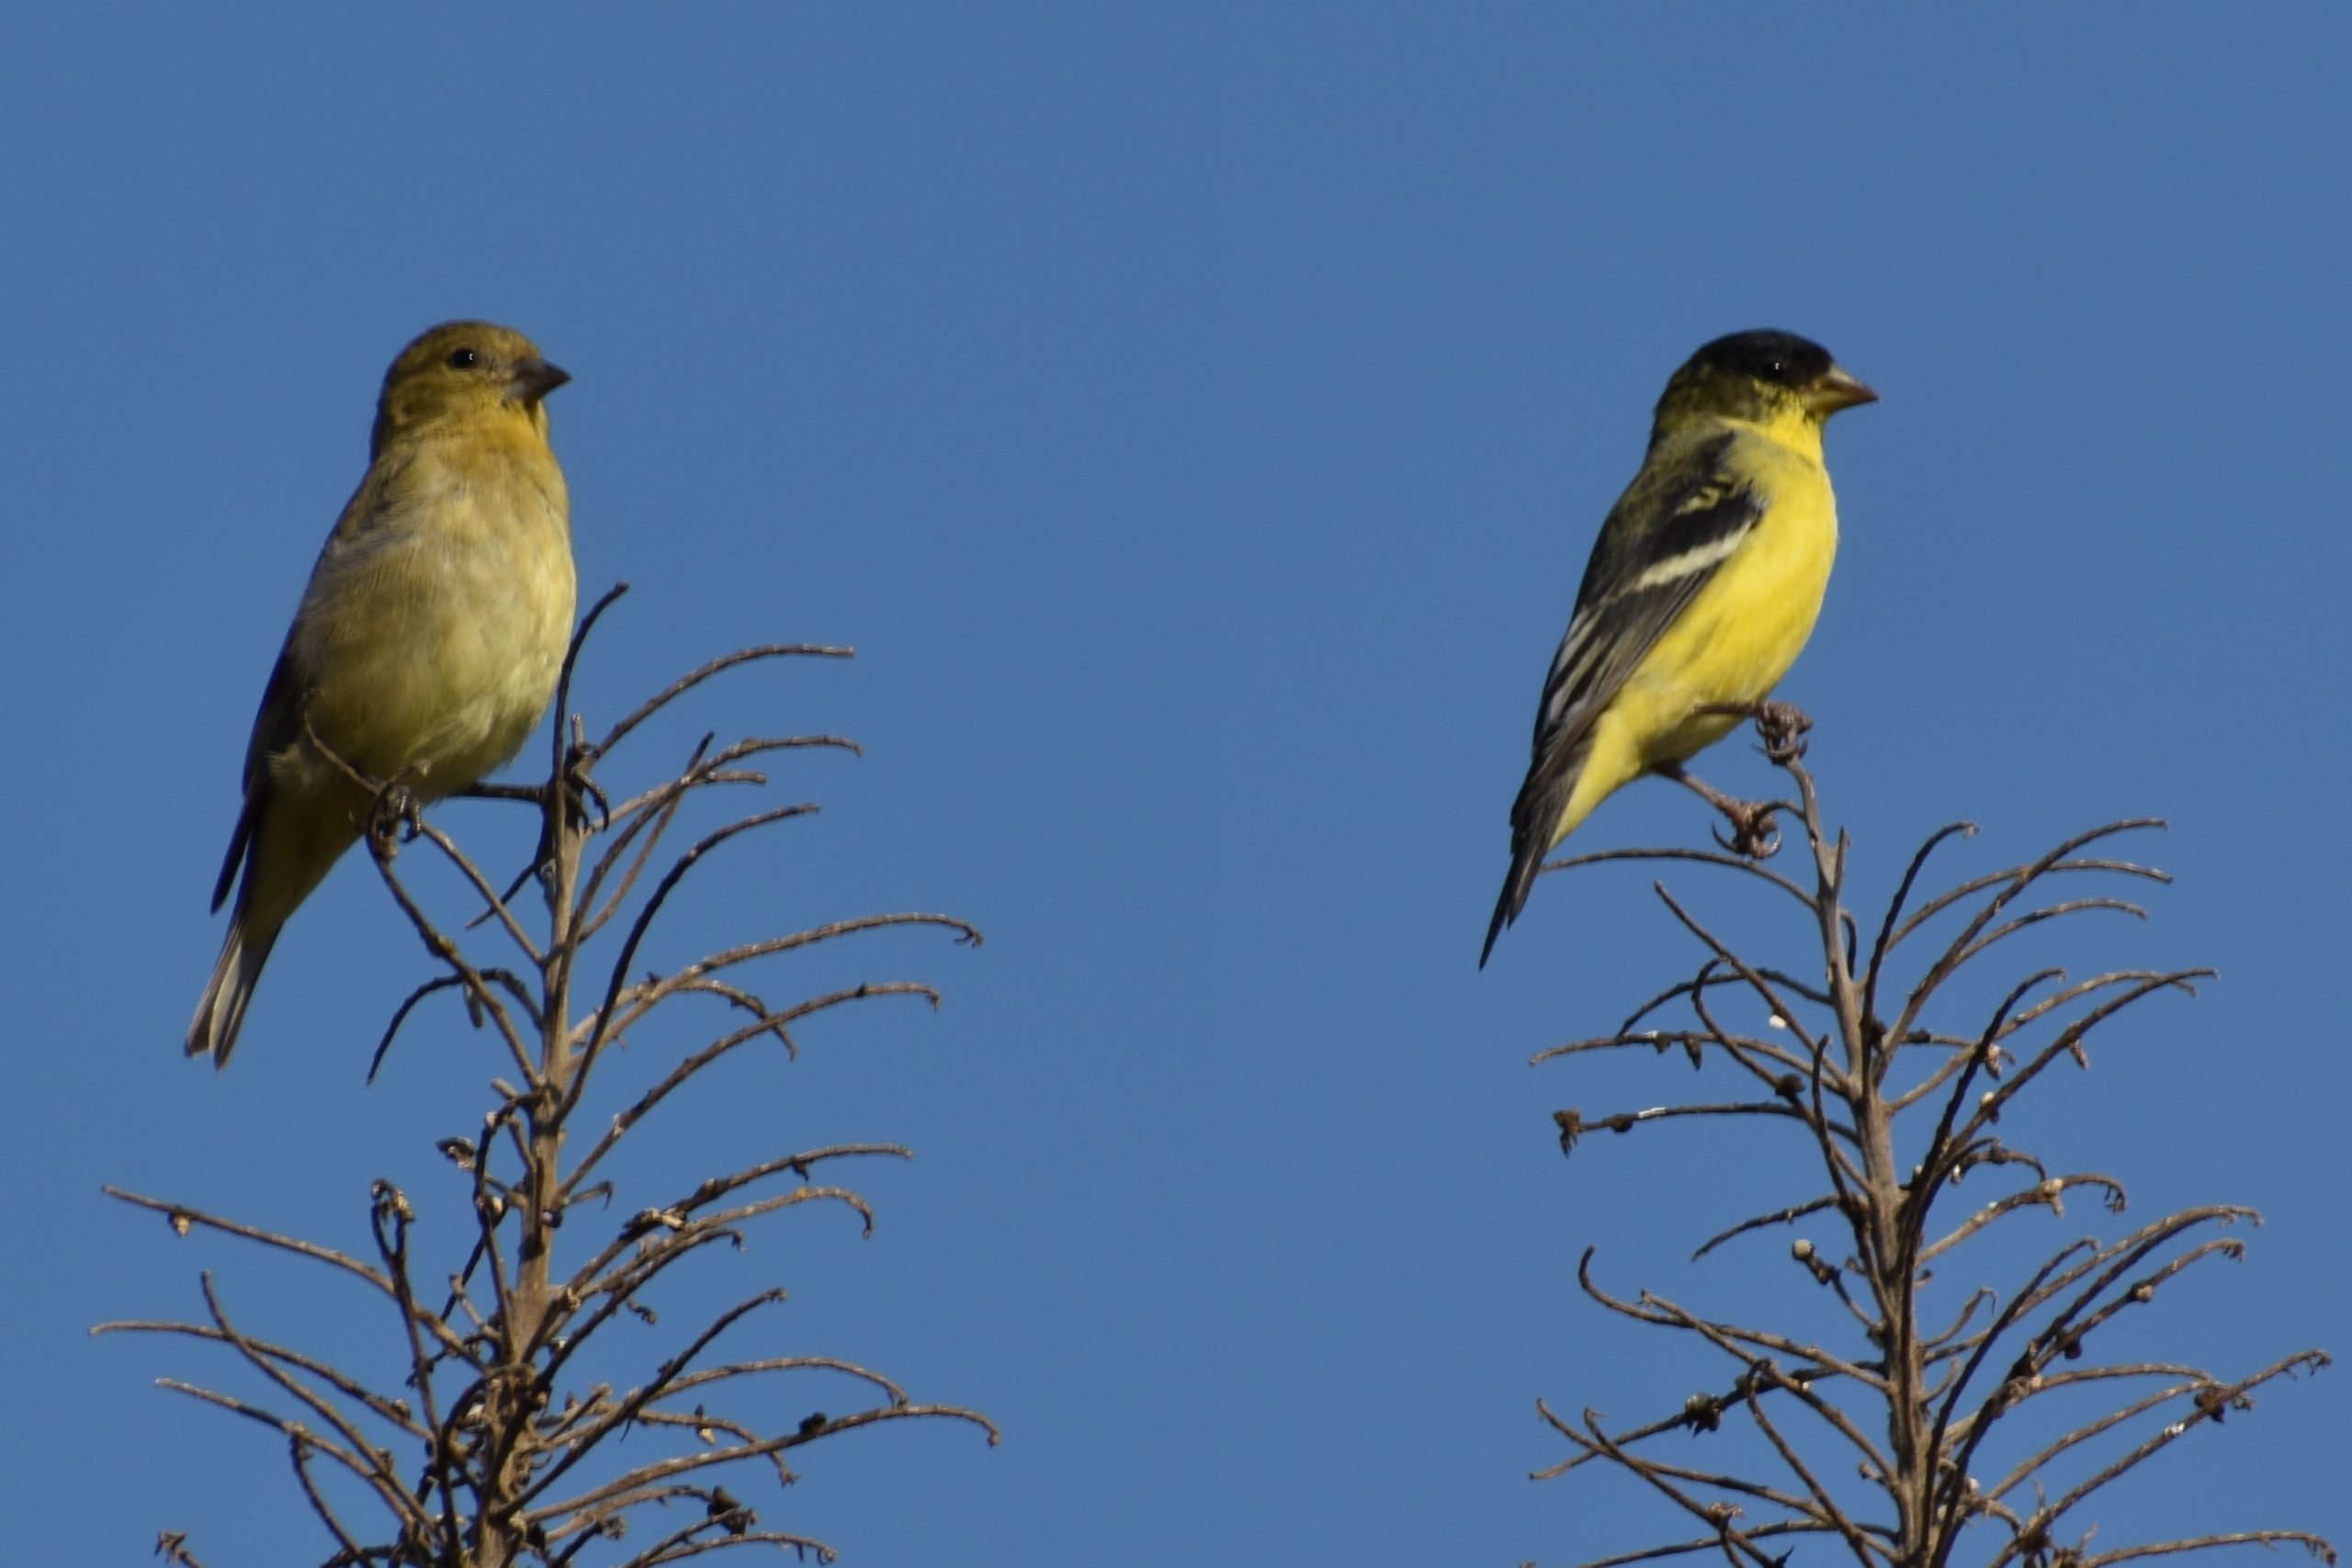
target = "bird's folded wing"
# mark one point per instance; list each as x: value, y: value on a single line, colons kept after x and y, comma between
x: 274, y: 726
x: 1659, y: 547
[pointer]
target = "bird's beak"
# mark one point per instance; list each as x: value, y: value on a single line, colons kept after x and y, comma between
x: 1832, y: 390
x: 534, y: 379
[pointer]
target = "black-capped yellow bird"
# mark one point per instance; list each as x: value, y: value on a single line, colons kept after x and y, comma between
x: 1701, y: 588
x: 426, y: 645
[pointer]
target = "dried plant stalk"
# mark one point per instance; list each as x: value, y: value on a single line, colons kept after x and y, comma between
x: 1945, y: 1417
x: 499, y: 1447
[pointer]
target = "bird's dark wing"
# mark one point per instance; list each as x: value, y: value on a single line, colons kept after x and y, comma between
x: 274, y: 726
x: 278, y: 724
x: 1664, y: 541
x: 1655, y: 553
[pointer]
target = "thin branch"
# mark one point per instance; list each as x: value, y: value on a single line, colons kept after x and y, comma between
x: 1777, y: 1217
x: 776, y: 1022
x: 2318, y: 1546
x: 695, y: 677
x: 604, y: 1027
x: 643, y: 998
x: 688, y: 1464
x: 391, y: 1410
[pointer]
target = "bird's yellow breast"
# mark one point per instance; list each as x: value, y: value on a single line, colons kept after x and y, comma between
x: 1748, y: 625
x: 435, y: 640
x: 1737, y: 637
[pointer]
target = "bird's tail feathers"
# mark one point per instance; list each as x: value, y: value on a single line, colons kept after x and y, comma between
x: 221, y: 1012
x: 1534, y: 822
x: 239, y: 842
x: 1514, y: 899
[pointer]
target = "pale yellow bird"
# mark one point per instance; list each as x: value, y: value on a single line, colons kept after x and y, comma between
x: 426, y: 645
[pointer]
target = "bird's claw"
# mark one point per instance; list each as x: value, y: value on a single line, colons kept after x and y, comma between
x: 579, y: 789
x: 1755, y: 835
x: 1781, y: 728
x: 1755, y: 832
x: 396, y: 817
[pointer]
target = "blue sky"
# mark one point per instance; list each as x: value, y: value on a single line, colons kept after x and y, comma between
x: 1197, y: 418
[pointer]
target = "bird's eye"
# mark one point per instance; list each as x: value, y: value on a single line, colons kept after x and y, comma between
x: 1775, y: 369
x: 464, y: 359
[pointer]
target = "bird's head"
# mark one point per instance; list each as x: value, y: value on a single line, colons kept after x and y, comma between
x: 1765, y: 376
x: 465, y: 370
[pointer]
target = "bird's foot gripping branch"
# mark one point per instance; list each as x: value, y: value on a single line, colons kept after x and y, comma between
x: 484, y: 1426
x: 1781, y: 731
x: 1951, y: 1378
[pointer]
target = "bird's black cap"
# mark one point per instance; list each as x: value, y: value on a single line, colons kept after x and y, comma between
x: 1781, y: 359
